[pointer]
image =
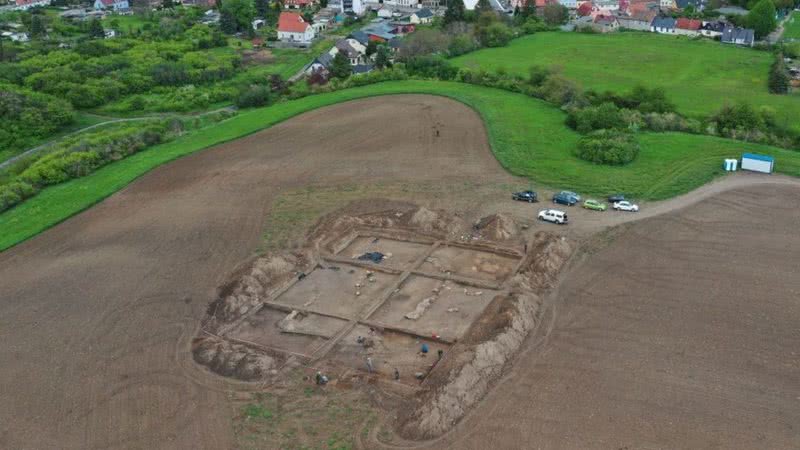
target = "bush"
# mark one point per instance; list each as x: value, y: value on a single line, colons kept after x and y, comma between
x: 495, y: 34
x: 608, y: 147
x: 14, y: 193
x: 431, y: 67
x: 462, y: 44
x: 254, y: 96
x: 605, y: 116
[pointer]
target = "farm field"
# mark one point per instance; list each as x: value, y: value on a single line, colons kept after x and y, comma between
x: 528, y: 137
x: 792, y: 27
x: 698, y: 76
x: 659, y: 339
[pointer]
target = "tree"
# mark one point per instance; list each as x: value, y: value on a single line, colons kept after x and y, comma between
x: 167, y: 4
x: 555, y: 14
x: 454, y: 12
x: 424, y: 41
x: 340, y: 67
x: 96, y: 29
x: 262, y: 8
x: 383, y: 57
x: 779, y: 81
x: 762, y: 18
x: 372, y: 47
x: 237, y: 16
x: 482, y: 7
x: 36, y: 27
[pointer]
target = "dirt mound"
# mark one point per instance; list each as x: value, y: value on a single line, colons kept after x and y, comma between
x: 467, y: 385
x: 232, y: 360
x: 490, y: 344
x: 250, y: 286
x: 497, y: 227
x: 540, y: 271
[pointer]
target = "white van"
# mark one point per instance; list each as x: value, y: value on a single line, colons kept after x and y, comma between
x: 553, y: 215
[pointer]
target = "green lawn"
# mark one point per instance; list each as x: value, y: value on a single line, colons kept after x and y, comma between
x: 528, y: 137
x: 791, y: 29
x: 699, y: 76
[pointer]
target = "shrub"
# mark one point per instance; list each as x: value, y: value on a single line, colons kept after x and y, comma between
x: 495, y: 34
x: 60, y: 166
x: 608, y: 147
x: 561, y: 91
x: 779, y: 80
x: 605, y: 116
x: 254, y: 96
x: 461, y: 44
x: 431, y: 67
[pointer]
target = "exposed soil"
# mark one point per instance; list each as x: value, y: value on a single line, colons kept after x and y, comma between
x: 98, y: 313
x: 681, y: 333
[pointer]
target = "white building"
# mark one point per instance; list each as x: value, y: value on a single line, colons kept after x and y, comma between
x: 293, y: 28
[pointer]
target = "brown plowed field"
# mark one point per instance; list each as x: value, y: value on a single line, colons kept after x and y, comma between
x: 97, y: 313
x: 681, y: 333
x: 684, y: 332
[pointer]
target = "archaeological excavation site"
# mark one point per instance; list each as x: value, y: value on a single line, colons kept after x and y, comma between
x: 416, y: 301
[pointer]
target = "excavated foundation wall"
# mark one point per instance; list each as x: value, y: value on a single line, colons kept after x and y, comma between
x: 480, y: 365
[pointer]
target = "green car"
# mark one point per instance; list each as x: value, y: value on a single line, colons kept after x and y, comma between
x: 595, y: 205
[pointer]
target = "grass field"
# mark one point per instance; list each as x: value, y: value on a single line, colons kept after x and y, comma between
x: 699, y: 76
x: 528, y: 137
x: 791, y: 30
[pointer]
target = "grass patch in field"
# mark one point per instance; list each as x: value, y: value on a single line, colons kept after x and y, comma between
x: 699, y: 76
x: 791, y: 30
x: 528, y: 137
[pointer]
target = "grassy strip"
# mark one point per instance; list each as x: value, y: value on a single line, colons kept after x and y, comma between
x: 528, y: 137
x: 699, y: 76
x: 792, y: 27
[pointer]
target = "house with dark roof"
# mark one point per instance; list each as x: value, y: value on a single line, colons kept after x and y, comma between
x: 423, y: 16
x: 294, y: 29
x: 360, y: 36
x: 688, y: 27
x: 663, y: 25
x: 738, y: 36
x: 713, y: 29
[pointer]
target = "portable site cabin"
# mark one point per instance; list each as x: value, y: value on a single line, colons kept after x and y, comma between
x: 758, y: 163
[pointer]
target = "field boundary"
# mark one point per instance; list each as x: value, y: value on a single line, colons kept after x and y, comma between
x: 58, y: 203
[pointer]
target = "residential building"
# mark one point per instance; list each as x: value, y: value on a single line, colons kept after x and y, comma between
x: 115, y: 5
x: 571, y: 4
x: 664, y: 25
x: 200, y: 3
x: 297, y: 4
x: 738, y: 36
x: 402, y: 3
x: 15, y: 37
x: 713, y: 29
x: 605, y: 24
x: 423, y: 16
x: 688, y: 27
x: 293, y: 28
x: 637, y: 22
x: 23, y: 5
x: 668, y: 4
x: 353, y: 50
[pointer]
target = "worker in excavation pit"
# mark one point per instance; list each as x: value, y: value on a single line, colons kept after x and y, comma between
x: 396, y: 374
x: 370, y: 367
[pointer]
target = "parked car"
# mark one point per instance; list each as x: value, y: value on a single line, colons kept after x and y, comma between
x: 564, y: 199
x: 525, y: 196
x: 594, y: 205
x: 616, y: 198
x: 572, y: 194
x: 553, y: 215
x: 626, y: 206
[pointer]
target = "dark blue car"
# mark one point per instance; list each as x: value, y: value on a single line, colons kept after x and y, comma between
x: 565, y: 199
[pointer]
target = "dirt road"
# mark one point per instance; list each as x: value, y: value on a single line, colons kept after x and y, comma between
x: 682, y: 333
x: 97, y: 313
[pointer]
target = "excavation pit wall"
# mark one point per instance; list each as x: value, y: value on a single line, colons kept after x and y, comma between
x: 443, y: 284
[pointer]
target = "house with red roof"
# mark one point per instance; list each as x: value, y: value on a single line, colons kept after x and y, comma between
x: 688, y: 27
x: 585, y: 9
x: 116, y: 5
x: 22, y: 5
x: 294, y: 29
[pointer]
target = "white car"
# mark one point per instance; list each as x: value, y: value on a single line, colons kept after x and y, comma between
x: 626, y: 206
x: 553, y: 215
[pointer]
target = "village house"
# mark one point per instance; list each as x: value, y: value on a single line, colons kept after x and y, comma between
x: 24, y: 5
x: 402, y: 3
x: 15, y: 36
x: 353, y: 50
x: 668, y: 5
x: 571, y: 4
x: 423, y: 16
x: 738, y: 36
x: 637, y: 21
x: 292, y: 28
x: 663, y: 25
x: 688, y: 27
x: 713, y: 29
x: 115, y: 5
x: 297, y: 4
x: 605, y: 24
